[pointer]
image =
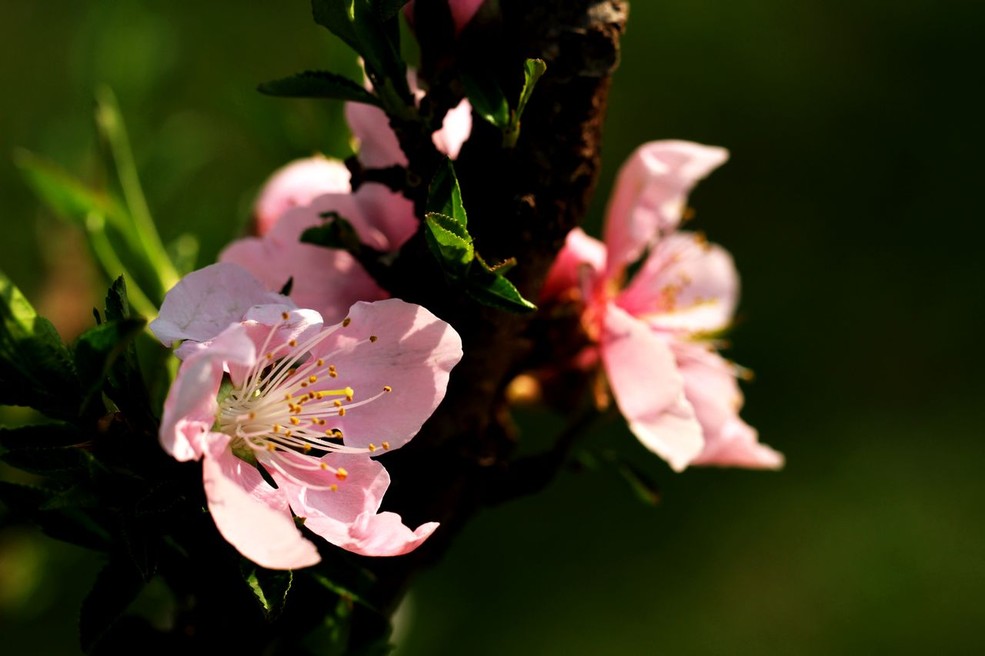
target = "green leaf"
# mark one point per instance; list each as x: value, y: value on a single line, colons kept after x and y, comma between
x: 494, y: 290
x: 36, y: 369
x: 65, y: 195
x: 124, y: 383
x: 444, y: 194
x: 97, y: 350
x: 270, y: 587
x: 450, y: 243
x: 360, y: 26
x: 48, y: 450
x: 533, y: 69
x: 68, y: 524
x: 487, y: 97
x: 387, y: 9
x: 116, y: 586
x: 337, y: 233
x: 318, y: 84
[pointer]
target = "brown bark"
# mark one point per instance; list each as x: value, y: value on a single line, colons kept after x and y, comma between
x: 521, y: 203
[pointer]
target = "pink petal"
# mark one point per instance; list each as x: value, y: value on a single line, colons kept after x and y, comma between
x: 462, y: 11
x: 384, y: 534
x: 387, y: 213
x: 579, y: 266
x: 650, y: 194
x: 326, y: 280
x: 251, y: 515
x: 308, y: 489
x: 378, y: 145
x: 686, y: 284
x: 297, y: 184
x: 413, y: 353
x: 207, y: 301
x: 710, y: 386
x: 190, y: 408
x: 455, y: 130
x: 648, y: 388
x: 347, y: 516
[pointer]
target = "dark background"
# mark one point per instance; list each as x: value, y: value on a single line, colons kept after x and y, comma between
x: 850, y: 204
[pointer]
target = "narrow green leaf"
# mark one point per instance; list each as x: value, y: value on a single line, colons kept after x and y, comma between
x: 450, y: 243
x: 64, y: 194
x: 141, y: 233
x: 533, y: 69
x: 97, y: 350
x: 444, y: 194
x: 116, y: 586
x: 318, y: 84
x: 124, y: 382
x: 487, y: 98
x: 270, y: 587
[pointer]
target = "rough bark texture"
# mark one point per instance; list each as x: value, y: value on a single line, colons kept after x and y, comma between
x: 521, y: 202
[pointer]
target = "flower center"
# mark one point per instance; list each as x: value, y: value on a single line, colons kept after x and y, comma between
x: 286, y: 411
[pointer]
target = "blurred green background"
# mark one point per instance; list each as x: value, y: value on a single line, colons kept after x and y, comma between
x: 855, y: 131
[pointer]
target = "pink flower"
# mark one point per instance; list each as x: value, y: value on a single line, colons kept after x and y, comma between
x: 274, y: 389
x: 462, y: 11
x: 378, y: 145
x: 327, y: 280
x: 297, y: 184
x: 679, y: 396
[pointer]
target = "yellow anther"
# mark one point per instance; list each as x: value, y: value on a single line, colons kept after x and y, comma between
x: 371, y: 447
x: 341, y: 412
x: 252, y: 415
x: 276, y: 428
x: 341, y: 473
x: 333, y: 487
x: 386, y: 445
x: 287, y: 433
x: 323, y: 466
x: 346, y: 322
x: 287, y: 397
x: 270, y: 356
x: 293, y: 343
x: 349, y: 393
x: 271, y: 447
x: 312, y: 379
x: 387, y: 388
x: 304, y: 383
x: 307, y: 447
x: 337, y: 403
x: 284, y: 316
x: 320, y: 362
x: 373, y: 338
x: 295, y: 421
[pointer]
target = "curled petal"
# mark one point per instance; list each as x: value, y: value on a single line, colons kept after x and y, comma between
x: 579, y: 266
x: 296, y: 184
x: 207, y: 301
x: 650, y: 194
x: 190, y: 408
x: 385, y: 534
x: 648, y: 388
x: 399, y: 353
x: 686, y: 284
x: 342, y: 508
x: 251, y: 515
x: 710, y: 386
